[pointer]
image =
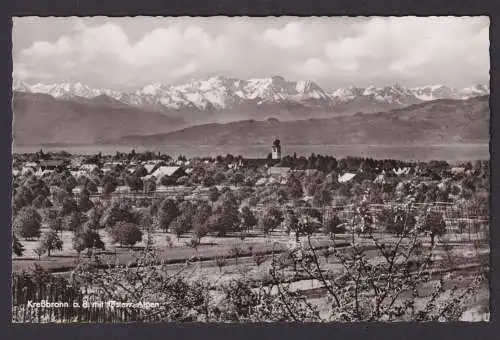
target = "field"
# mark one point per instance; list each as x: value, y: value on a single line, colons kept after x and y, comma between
x: 458, y: 260
x: 177, y: 250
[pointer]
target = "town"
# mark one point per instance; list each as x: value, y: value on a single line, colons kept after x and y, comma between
x: 71, y: 210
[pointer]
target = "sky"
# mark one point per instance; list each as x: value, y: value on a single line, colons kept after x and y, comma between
x: 127, y: 53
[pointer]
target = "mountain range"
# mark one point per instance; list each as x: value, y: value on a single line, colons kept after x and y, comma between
x: 42, y: 119
x: 225, y: 99
x: 223, y: 110
x: 442, y: 121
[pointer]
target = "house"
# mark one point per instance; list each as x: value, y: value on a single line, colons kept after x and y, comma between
x: 51, y: 164
x: 33, y: 165
x: 457, y: 170
x: 122, y: 189
x: 401, y: 171
x: 29, y: 168
x: 76, y: 162
x: 27, y: 171
x: 111, y: 165
x: 88, y: 168
x: 149, y: 167
x: 346, y: 177
x: 278, y: 171
x: 42, y: 173
x: 78, y: 173
x: 173, y: 172
x: 380, y: 179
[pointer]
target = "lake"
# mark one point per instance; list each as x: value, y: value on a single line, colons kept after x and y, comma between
x: 450, y: 153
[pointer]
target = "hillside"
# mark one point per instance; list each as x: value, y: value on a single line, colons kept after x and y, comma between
x: 445, y: 121
x: 43, y: 119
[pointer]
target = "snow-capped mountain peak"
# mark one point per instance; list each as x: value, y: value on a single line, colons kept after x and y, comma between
x: 222, y: 93
x: 475, y: 90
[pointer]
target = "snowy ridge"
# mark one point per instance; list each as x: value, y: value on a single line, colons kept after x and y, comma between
x: 222, y: 93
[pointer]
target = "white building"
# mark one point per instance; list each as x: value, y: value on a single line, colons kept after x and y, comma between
x: 346, y: 177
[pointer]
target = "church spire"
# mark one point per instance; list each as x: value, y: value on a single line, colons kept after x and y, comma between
x: 276, y: 149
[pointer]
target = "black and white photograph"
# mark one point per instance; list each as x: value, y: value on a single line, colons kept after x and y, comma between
x: 250, y: 169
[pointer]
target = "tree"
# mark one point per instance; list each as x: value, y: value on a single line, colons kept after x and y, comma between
x: 322, y: 197
x: 22, y: 198
x: 91, y: 186
x: 226, y: 217
x: 41, y: 202
x: 54, y: 220
x: 220, y: 261
x: 87, y: 239
x: 187, y: 208
x: 385, y: 290
x: 50, y: 241
x: 109, y: 184
x: 236, y: 251
x: 84, y: 203
x: 74, y: 220
x: 434, y: 224
x: 27, y: 223
x: 68, y: 183
x: 94, y: 217
x: 134, y: 182
x: 149, y: 185
x: 126, y: 233
x: 213, y: 194
x: 200, y: 230
x: 181, y: 224
x: 208, y: 181
x: 200, y: 220
x: 167, y: 213
x: 140, y: 171
x: 249, y: 219
x: 334, y: 225
x: 39, y: 251
x: 271, y: 219
x: 68, y: 205
x: 194, y: 243
x: 119, y: 211
x: 294, y: 188
x: 308, y: 224
x: 59, y: 195
x: 396, y: 221
x: 238, y: 178
x: 146, y: 221
x: 17, y: 247
x: 292, y: 223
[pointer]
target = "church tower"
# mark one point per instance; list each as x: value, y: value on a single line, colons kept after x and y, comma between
x: 276, y: 149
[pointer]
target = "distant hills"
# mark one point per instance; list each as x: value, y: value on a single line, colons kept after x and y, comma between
x: 223, y: 110
x: 222, y: 99
x: 442, y: 121
x: 42, y: 119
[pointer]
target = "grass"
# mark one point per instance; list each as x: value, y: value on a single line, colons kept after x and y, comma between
x: 177, y: 252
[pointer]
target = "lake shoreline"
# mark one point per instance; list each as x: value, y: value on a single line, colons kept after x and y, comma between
x: 449, y: 152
